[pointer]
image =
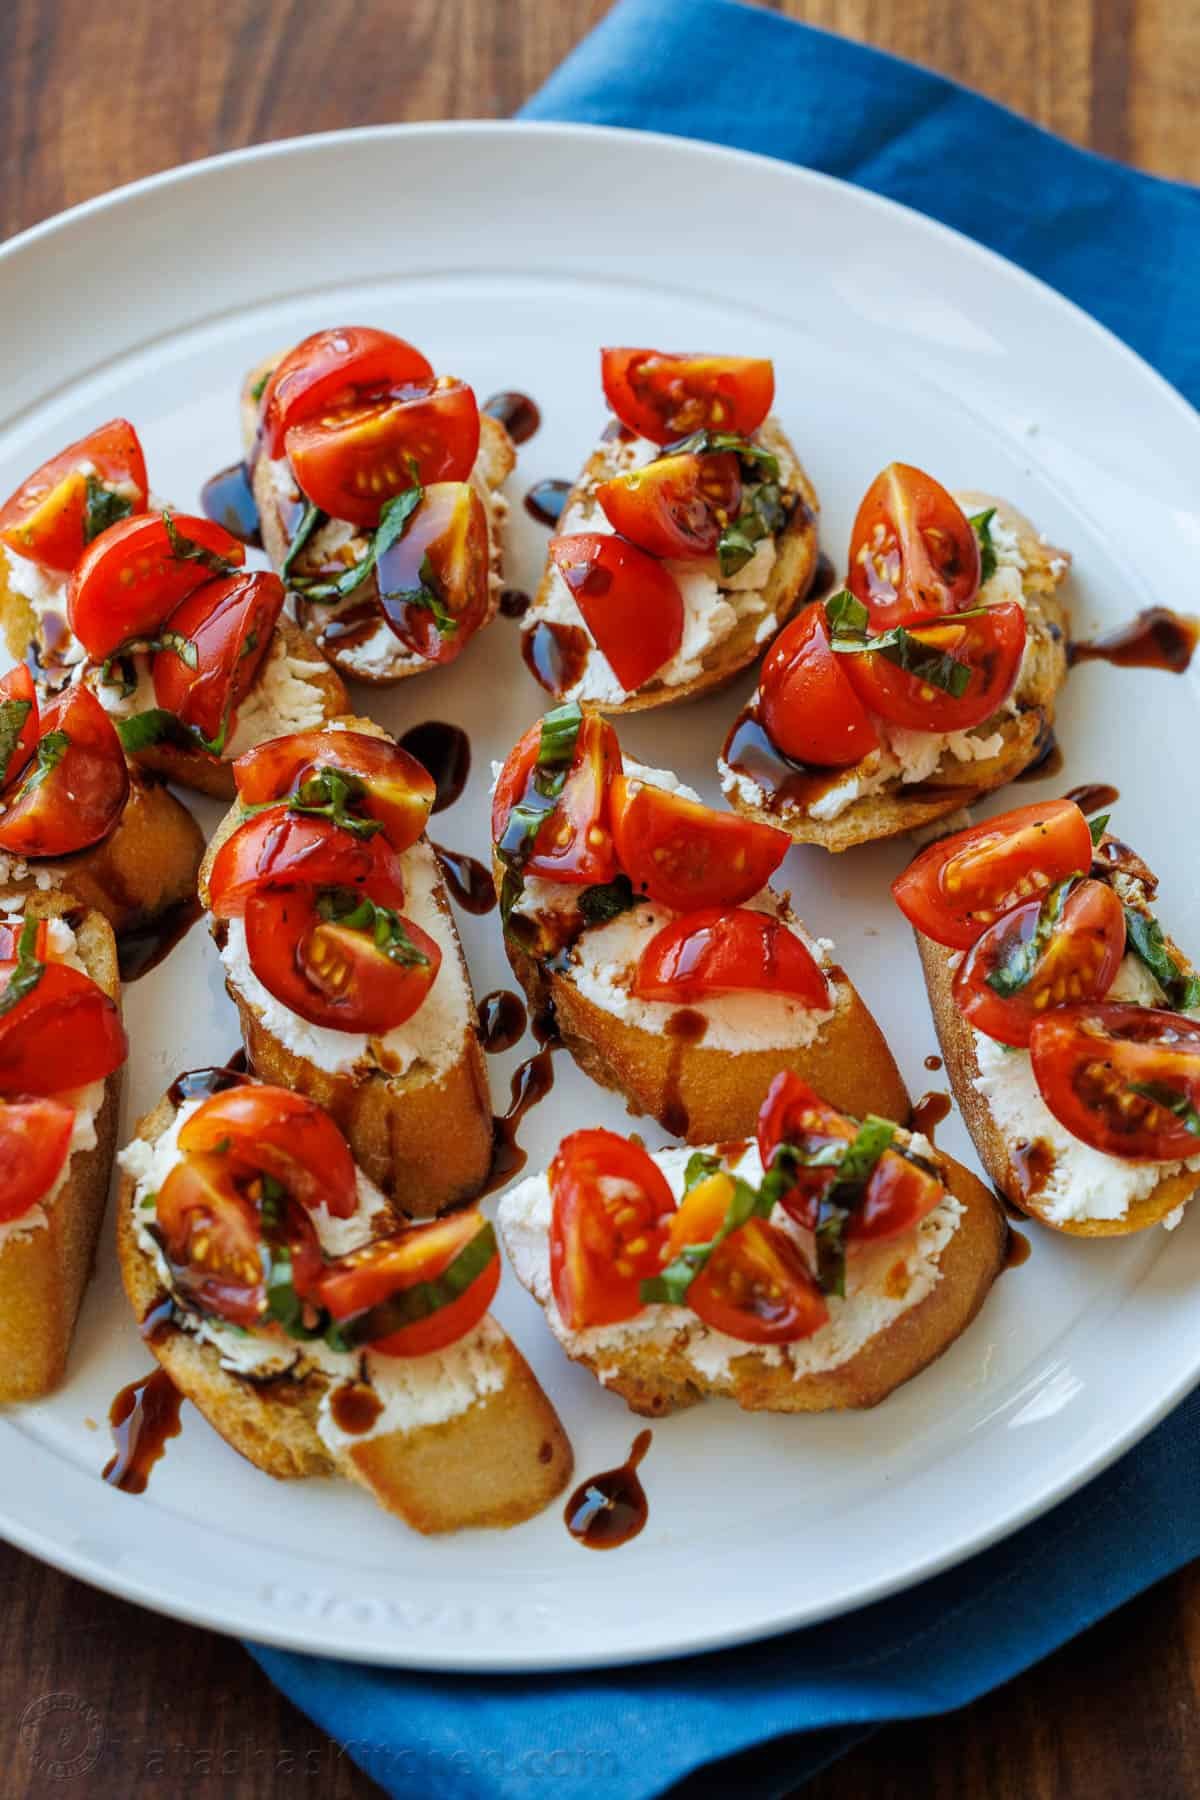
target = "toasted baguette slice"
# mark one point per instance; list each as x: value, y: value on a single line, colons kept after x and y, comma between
x: 1001, y: 1155
x: 146, y: 867
x: 704, y: 1095
x: 664, y: 1369
x: 44, y: 1271
x: 789, y: 581
x: 495, y: 1464
x: 279, y: 506
x: 424, y: 1137
x: 325, y: 698
x: 900, y: 807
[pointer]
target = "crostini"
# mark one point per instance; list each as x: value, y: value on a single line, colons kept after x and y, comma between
x: 818, y: 1267
x: 74, y: 816
x: 928, y: 680
x: 688, y: 540
x: 1068, y: 1020
x: 187, y: 650
x: 316, y: 1333
x: 62, y: 1048
x: 342, y: 957
x: 644, y: 920
x: 378, y: 488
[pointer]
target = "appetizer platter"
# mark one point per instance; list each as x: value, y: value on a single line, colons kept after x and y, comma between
x: 595, y: 924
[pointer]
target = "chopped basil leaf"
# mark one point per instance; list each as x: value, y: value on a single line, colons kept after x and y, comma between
x: 1171, y: 1100
x: 670, y: 1288
x: 1021, y: 957
x: 386, y: 929
x: 427, y: 597
x: 329, y: 794
x: 13, y: 714
x: 140, y: 730
x: 700, y: 1165
x: 981, y: 525
x: 714, y: 443
x: 102, y: 508
x: 408, y: 1306
x: 184, y: 648
x: 284, y: 1304
x: 1097, y: 826
x: 556, y: 753
x: 49, y: 753
x: 837, y: 1204
x: 258, y: 388
x: 186, y: 549
x: 848, y: 636
x: 606, y: 900
x: 392, y: 521
x: 29, y: 970
x: 311, y: 520
x: 1145, y: 938
x: 763, y: 515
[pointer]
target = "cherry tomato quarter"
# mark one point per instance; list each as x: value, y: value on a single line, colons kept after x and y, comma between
x: 1124, y: 1079
x: 913, y: 553
x: 664, y: 397
x: 720, y: 951
x: 807, y: 703
x: 687, y: 856
x: 612, y: 1205
x: 629, y: 602
x: 46, y: 520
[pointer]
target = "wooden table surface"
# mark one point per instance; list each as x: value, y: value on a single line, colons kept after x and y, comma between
x: 1113, y: 1716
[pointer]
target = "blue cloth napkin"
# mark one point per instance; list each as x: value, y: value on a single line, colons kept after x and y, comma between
x: 757, y: 1721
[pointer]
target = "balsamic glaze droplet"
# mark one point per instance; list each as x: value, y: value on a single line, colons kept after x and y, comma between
x: 143, y: 1416
x: 445, y: 750
x: 546, y: 500
x: 227, y: 498
x: 501, y: 1020
x: 1156, y: 639
x: 469, y: 882
x: 608, y: 1509
x: 518, y: 414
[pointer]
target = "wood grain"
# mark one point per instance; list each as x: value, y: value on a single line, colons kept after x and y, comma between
x: 1113, y: 1716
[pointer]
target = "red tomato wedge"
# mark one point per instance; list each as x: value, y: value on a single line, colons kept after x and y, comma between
x: 612, y: 1205
x: 664, y: 397
x: 46, y: 519
x: 807, y: 704
x: 960, y: 885
x: 1125, y: 1079
x: 434, y: 582
x: 135, y: 574
x: 757, y: 1287
x: 900, y: 1192
x: 335, y: 973
x: 629, y: 602
x: 74, y: 791
x: 418, y: 1291
x: 1077, y: 961
x: 699, y: 1216
x: 35, y: 1141
x: 331, y: 369
x: 990, y: 643
x: 271, y: 1131
x: 675, y: 505
x: 229, y: 624
x: 685, y: 855
x: 282, y: 849
x: 717, y: 951
x: 574, y: 842
x: 913, y: 553
x: 350, y: 462
x: 393, y: 786
x: 18, y: 722
x: 219, y: 1248
x: 64, y: 1033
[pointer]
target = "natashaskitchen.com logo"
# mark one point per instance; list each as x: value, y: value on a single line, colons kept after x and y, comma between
x: 63, y: 1736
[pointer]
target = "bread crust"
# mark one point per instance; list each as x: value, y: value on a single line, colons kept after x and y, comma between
x: 43, y: 1275
x: 213, y: 775
x: 495, y: 1465
x: 496, y: 461
x: 657, y: 1378
x: 787, y: 585
x: 995, y: 1152
x: 427, y: 1143
x: 901, y: 808
x: 144, y: 868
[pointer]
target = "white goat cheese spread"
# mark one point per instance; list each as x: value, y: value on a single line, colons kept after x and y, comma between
x: 876, y: 1295
x: 713, y: 604
x: 429, y: 1043
x: 86, y: 1101
x: 1083, y: 1183
x: 415, y: 1390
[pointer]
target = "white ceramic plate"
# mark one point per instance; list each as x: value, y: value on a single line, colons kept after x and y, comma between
x: 510, y: 253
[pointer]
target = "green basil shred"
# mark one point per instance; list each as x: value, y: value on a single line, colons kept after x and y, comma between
x: 392, y: 523
x: 1171, y: 1099
x: 29, y: 969
x: 1021, y: 957
x: 849, y: 635
x: 385, y: 928
x: 102, y: 508
x: 606, y: 900
x: 556, y: 753
x: 981, y: 525
x: 13, y: 715
x: 186, y: 549
x: 1144, y: 935
x: 1097, y: 827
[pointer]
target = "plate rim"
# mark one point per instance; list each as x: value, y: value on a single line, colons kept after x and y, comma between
x: 432, y: 1654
